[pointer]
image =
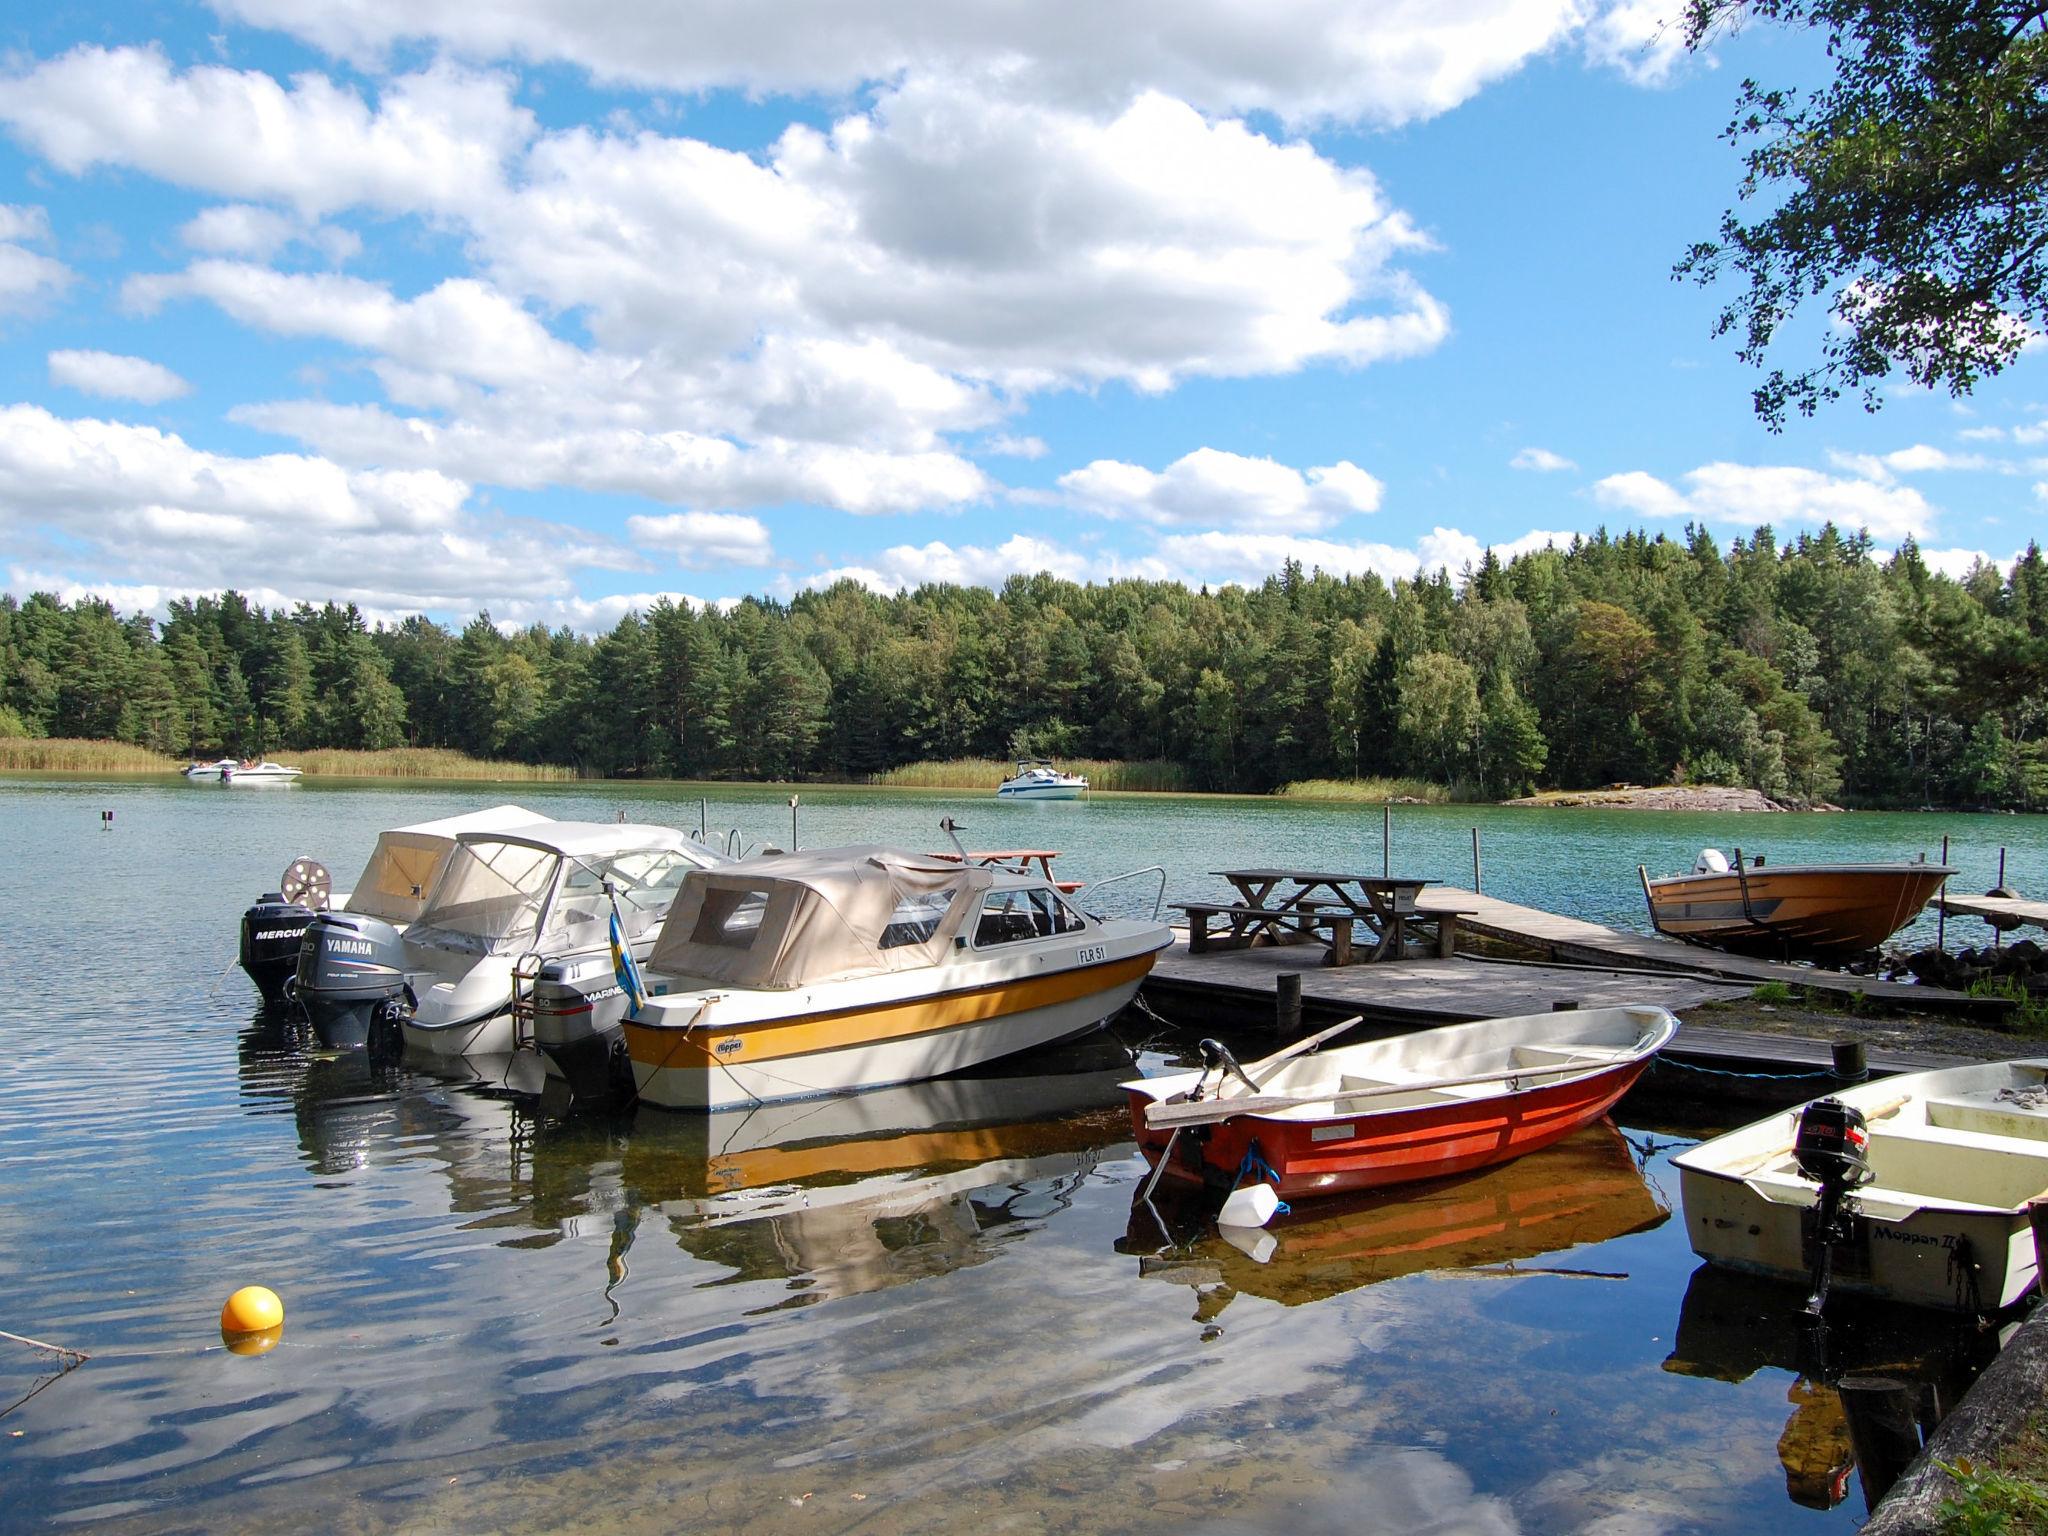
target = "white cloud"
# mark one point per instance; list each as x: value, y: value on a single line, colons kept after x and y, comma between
x: 1452, y: 550
x: 27, y: 277
x: 910, y: 565
x: 244, y: 229
x: 116, y: 377
x: 1006, y: 446
x: 1643, y: 39
x: 1541, y: 461
x: 702, y: 540
x: 1982, y: 434
x: 1957, y: 563
x: 437, y: 139
x: 1209, y: 487
x: 1384, y: 63
x: 1750, y: 495
x: 1919, y: 459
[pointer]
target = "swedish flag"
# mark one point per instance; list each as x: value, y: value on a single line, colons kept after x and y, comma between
x: 624, y: 967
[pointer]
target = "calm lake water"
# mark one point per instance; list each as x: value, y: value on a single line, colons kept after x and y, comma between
x: 931, y: 1309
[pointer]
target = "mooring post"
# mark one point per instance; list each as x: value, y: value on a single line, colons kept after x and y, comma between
x: 792, y: 823
x: 1941, y: 910
x: 1475, y: 862
x: 1287, y: 1005
x: 1849, y: 1062
x: 1387, y: 838
x: 1882, y: 1431
x: 703, y: 824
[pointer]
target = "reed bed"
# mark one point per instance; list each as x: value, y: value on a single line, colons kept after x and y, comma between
x: 67, y: 754
x: 1150, y: 774
x: 417, y: 763
x: 1367, y: 791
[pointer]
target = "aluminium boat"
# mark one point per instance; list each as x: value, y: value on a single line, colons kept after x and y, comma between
x: 1815, y: 911
x: 232, y: 770
x: 508, y: 904
x: 1423, y: 1105
x: 1037, y: 779
x: 858, y: 967
x: 1930, y: 1208
x: 393, y: 886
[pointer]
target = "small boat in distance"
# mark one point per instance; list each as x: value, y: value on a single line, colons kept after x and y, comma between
x: 1931, y: 1175
x: 1037, y: 779
x: 232, y: 770
x: 1813, y: 911
x: 1416, y: 1106
x: 811, y: 973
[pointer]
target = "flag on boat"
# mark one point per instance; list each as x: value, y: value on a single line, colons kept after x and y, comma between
x: 624, y: 966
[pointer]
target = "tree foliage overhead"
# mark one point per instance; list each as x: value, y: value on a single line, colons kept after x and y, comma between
x: 1805, y: 670
x: 1908, y: 193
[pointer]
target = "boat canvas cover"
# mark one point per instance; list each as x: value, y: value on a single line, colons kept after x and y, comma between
x: 794, y: 919
x: 404, y: 864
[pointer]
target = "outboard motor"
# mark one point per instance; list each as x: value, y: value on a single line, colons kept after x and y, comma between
x: 270, y: 942
x: 578, y: 1009
x: 351, y: 981
x: 1832, y: 1148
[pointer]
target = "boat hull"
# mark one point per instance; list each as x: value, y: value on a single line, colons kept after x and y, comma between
x: 1042, y: 792
x: 1339, y: 1154
x: 1843, y: 910
x: 878, y: 1043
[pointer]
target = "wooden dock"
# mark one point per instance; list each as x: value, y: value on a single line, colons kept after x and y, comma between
x: 2001, y: 911
x: 1574, y: 939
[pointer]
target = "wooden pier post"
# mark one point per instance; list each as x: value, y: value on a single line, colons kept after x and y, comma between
x: 1883, y: 1431
x: 1849, y: 1062
x: 1477, y: 889
x: 1387, y: 839
x: 1287, y: 1005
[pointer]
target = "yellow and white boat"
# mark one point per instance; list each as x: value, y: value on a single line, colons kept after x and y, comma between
x: 811, y: 973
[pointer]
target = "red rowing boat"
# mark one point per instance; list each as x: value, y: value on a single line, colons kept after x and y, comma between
x: 1417, y: 1106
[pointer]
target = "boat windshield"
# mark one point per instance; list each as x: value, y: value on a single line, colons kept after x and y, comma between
x: 489, y: 899
x: 645, y: 882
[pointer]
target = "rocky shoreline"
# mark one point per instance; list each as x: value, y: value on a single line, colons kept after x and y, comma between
x: 1670, y: 797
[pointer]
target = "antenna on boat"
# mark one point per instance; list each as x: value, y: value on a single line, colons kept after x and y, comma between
x: 953, y: 829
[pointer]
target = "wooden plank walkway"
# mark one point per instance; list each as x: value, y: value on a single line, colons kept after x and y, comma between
x: 1571, y: 938
x: 2018, y: 909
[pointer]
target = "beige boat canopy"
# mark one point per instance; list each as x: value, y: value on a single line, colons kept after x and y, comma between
x: 797, y: 918
x: 407, y: 860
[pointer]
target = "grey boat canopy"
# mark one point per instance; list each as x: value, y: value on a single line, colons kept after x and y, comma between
x: 794, y: 919
x: 406, y: 862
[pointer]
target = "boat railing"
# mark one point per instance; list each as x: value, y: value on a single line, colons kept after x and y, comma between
x: 1158, y: 897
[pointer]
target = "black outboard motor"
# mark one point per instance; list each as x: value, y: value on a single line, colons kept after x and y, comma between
x: 270, y: 942
x: 1832, y: 1148
x: 577, y: 1026
x: 351, y: 981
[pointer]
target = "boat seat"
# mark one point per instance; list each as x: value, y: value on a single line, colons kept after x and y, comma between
x: 1993, y: 1118
x: 1575, y: 1056
x: 1936, y: 1160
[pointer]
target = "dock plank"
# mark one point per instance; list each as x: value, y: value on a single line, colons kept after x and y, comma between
x: 1571, y: 938
x: 2034, y: 913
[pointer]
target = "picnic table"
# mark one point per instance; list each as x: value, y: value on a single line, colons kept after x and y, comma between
x: 1018, y: 861
x: 1345, y: 913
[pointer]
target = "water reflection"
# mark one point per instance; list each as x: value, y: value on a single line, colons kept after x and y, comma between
x: 1585, y: 1189
x: 1732, y: 1326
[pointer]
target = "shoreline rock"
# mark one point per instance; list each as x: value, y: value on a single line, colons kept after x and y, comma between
x: 1671, y: 797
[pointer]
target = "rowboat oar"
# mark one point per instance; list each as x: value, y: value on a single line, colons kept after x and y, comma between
x: 1261, y: 1069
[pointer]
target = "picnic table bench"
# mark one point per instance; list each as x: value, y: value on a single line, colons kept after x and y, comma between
x: 1290, y: 906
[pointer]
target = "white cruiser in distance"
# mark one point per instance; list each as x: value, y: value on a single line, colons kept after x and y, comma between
x: 857, y: 967
x: 509, y: 904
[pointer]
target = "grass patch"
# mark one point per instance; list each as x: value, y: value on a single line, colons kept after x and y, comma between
x: 1366, y: 791
x: 417, y: 763
x: 1990, y: 1502
x: 63, y: 754
x: 1148, y: 774
x: 1775, y: 992
x: 2029, y: 1017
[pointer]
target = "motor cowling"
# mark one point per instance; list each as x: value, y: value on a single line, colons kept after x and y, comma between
x: 271, y: 931
x: 1832, y: 1145
x: 351, y: 980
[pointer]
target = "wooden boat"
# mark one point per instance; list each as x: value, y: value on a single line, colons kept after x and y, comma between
x: 1811, y: 910
x: 1954, y: 1156
x: 1417, y: 1106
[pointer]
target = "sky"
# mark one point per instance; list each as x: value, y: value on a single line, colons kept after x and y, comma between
x: 549, y: 309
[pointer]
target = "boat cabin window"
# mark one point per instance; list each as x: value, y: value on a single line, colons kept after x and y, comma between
x: 730, y: 918
x: 1008, y: 917
x: 489, y: 898
x: 644, y: 881
x: 916, y: 918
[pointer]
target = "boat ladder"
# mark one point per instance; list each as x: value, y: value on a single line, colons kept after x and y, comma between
x: 525, y: 972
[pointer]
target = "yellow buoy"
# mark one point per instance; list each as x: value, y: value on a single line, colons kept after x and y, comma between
x: 259, y: 1343
x: 252, y: 1309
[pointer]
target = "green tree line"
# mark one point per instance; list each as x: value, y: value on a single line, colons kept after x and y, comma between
x: 1811, y: 670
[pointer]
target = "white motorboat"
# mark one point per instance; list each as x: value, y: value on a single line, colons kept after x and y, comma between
x: 857, y: 967
x: 1037, y: 779
x: 1913, y: 1188
x: 231, y: 770
x: 509, y: 906
x: 393, y: 886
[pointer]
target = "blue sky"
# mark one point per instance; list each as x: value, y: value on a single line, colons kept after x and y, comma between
x: 551, y: 309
